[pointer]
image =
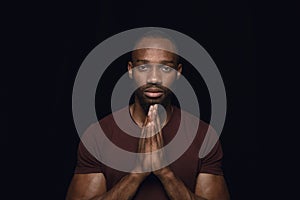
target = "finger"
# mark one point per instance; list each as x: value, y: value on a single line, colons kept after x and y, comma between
x: 144, y: 137
x: 155, y: 142
x: 158, y: 128
x: 157, y: 120
x: 150, y: 113
x: 147, y: 117
x: 141, y: 147
x: 151, y: 132
x: 159, y: 137
x: 159, y: 140
x: 155, y: 110
x: 155, y: 116
x: 147, y: 139
x: 154, y: 121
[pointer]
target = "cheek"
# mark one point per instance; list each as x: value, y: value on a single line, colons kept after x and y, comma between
x: 169, y: 80
x: 140, y: 80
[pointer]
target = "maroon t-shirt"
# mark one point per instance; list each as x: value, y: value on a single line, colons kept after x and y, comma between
x: 186, y: 167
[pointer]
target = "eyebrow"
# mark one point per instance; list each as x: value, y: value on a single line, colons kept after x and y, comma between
x: 161, y: 62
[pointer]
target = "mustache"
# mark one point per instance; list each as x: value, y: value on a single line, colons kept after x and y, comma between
x: 153, y: 86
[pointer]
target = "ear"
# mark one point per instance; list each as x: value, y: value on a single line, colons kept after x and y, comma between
x: 130, y: 67
x: 179, y: 70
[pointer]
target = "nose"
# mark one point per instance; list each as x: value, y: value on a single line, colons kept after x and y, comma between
x: 154, y: 76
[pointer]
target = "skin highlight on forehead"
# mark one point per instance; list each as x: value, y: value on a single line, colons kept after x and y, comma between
x: 159, y: 50
x: 144, y: 56
x: 156, y: 43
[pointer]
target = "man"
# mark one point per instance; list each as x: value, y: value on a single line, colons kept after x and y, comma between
x: 153, y: 70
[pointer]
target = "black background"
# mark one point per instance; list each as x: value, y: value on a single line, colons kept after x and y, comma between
x: 55, y: 39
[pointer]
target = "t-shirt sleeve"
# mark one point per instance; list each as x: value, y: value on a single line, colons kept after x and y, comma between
x: 212, y: 162
x: 86, y: 162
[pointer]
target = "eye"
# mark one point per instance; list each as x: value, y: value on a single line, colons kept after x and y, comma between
x: 143, y: 68
x: 165, y: 68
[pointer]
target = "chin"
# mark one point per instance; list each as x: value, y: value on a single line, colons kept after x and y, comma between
x: 151, y: 101
x: 146, y: 101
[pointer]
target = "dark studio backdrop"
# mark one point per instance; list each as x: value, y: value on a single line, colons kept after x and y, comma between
x: 69, y: 30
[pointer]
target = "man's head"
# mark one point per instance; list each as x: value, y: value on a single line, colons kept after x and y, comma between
x: 154, y: 67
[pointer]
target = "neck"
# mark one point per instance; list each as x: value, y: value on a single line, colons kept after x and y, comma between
x: 138, y: 114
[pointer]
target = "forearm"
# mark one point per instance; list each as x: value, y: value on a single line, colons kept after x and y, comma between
x: 175, y: 188
x: 124, y: 189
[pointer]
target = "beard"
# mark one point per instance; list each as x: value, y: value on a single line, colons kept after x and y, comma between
x: 146, y: 101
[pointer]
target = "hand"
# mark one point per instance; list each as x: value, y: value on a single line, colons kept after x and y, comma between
x: 156, y: 139
x: 157, y: 142
x: 144, y: 160
x: 150, y: 142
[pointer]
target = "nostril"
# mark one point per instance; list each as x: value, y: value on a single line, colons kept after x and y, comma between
x: 154, y: 79
x: 154, y: 76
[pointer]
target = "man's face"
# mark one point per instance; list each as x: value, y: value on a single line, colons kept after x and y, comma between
x: 154, y: 71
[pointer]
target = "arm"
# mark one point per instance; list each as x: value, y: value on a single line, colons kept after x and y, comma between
x: 93, y: 187
x: 175, y: 188
x: 86, y: 186
x: 212, y: 187
x: 209, y: 186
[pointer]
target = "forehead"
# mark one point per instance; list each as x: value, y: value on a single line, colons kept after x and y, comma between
x: 153, y: 55
x: 154, y: 50
x: 156, y: 43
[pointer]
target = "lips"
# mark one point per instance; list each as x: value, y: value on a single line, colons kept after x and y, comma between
x: 153, y: 92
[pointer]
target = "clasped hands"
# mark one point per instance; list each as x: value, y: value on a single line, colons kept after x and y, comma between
x: 151, y: 157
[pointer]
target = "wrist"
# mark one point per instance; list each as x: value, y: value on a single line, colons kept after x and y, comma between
x: 164, y: 173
